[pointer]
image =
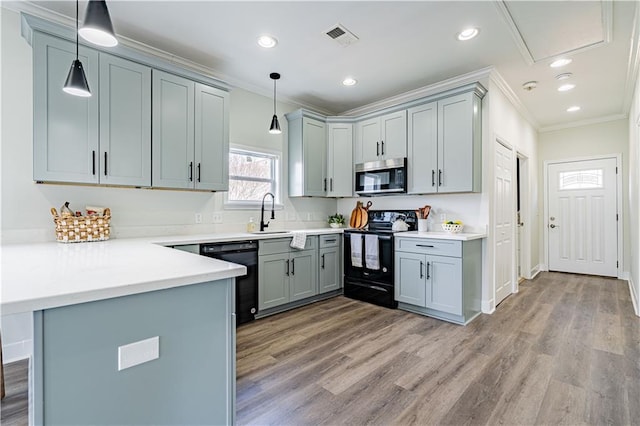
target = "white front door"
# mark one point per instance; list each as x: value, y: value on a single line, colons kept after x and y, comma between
x: 504, y: 217
x: 582, y: 217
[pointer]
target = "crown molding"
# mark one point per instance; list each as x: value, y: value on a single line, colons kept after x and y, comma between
x: 587, y: 122
x: 497, y: 79
x: 515, y: 32
x: 433, y: 89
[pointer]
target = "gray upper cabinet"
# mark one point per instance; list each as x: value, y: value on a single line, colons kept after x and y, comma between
x: 65, y: 131
x: 190, y: 134
x: 211, y: 138
x: 125, y: 122
x: 445, y: 149
x: 307, y: 156
x: 340, y: 160
x: 382, y: 138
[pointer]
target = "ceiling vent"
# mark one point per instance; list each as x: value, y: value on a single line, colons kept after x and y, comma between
x: 342, y: 35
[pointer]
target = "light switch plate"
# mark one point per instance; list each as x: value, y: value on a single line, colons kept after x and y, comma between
x: 217, y: 217
x: 138, y: 352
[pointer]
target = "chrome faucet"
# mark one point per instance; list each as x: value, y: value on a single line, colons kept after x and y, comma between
x: 273, y: 213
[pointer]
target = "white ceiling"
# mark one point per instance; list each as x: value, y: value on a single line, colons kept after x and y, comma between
x: 402, y: 46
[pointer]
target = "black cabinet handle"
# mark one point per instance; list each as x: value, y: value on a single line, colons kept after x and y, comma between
x: 287, y: 273
x: 93, y: 162
x: 331, y: 241
x: 191, y: 171
x: 322, y: 266
x: 198, y: 172
x: 325, y: 184
x: 421, y: 275
x: 428, y: 272
x: 105, y: 163
x: 382, y: 144
x: 433, y: 178
x: 331, y: 184
x: 293, y: 266
x: 423, y: 245
x: 377, y: 149
x: 439, y: 177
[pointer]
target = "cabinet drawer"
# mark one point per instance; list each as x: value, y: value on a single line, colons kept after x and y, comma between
x: 331, y: 240
x: 430, y: 246
x: 283, y: 245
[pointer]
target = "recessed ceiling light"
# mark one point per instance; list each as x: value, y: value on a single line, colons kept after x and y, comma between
x: 560, y: 62
x: 267, y: 41
x: 566, y: 87
x: 468, y: 34
x: 563, y: 76
x: 349, y: 81
x: 573, y: 108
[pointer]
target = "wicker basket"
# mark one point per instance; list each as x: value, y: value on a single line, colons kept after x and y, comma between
x: 81, y: 229
x: 452, y: 228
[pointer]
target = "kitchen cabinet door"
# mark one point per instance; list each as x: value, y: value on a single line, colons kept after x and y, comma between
x: 369, y: 136
x: 173, y: 131
x: 125, y: 122
x: 329, y: 269
x: 444, y: 284
x: 307, y: 156
x: 422, y: 161
x: 410, y: 278
x: 303, y: 274
x: 211, y: 138
x: 65, y: 127
x: 393, y: 136
x: 340, y: 160
x: 459, y: 146
x: 273, y: 280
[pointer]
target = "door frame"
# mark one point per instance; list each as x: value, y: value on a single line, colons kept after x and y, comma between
x: 514, y: 279
x: 525, y: 217
x: 619, y: 202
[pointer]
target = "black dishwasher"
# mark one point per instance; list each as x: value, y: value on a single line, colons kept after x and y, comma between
x: 243, y: 253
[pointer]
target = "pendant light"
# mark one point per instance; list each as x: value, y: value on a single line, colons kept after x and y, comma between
x: 97, y: 27
x: 76, y: 83
x: 275, y: 126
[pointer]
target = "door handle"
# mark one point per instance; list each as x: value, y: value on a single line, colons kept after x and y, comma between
x: 191, y: 171
x: 322, y: 266
x: 424, y: 245
x: 428, y: 270
x: 105, y: 163
x: 553, y: 226
x: 439, y: 177
x: 293, y: 266
x: 433, y: 178
x: 331, y: 184
x: 325, y: 184
x: 421, y: 274
x: 382, y: 144
x: 198, y: 172
x: 377, y: 149
x: 287, y: 272
x: 93, y: 162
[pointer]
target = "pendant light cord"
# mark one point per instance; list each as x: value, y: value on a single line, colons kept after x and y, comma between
x: 77, y: 56
x: 274, y: 96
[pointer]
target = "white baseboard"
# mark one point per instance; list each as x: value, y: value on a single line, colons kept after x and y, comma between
x: 624, y: 275
x: 16, y: 351
x: 536, y: 270
x: 634, y: 296
x: 488, y: 306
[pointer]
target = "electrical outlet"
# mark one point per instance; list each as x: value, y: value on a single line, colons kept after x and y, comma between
x: 443, y: 217
x: 198, y: 217
x: 217, y: 217
x: 138, y: 352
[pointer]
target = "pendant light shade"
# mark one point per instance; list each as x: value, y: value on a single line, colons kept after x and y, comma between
x: 76, y: 83
x: 97, y: 27
x: 275, y: 125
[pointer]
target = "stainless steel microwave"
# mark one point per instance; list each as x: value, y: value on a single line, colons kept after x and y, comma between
x: 384, y: 177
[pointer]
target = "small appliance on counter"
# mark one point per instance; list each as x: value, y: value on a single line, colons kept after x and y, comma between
x: 369, y: 256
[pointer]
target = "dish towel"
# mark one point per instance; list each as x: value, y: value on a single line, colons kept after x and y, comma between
x: 299, y: 240
x: 356, y: 250
x: 371, y: 253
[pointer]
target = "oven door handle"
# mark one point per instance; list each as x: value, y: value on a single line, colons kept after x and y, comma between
x: 384, y: 237
x: 375, y: 287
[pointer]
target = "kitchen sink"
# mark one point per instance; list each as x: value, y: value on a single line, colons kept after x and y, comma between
x: 271, y: 232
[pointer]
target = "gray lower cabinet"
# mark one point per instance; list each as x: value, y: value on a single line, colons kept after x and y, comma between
x: 286, y: 274
x: 439, y: 278
x: 103, y: 139
x: 77, y: 379
x: 329, y: 269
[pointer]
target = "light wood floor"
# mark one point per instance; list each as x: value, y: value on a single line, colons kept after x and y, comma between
x: 564, y: 350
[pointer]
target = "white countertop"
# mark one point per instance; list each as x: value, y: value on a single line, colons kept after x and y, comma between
x: 460, y: 236
x: 48, y: 275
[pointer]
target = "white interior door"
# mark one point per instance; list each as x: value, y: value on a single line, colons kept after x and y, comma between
x: 504, y: 218
x: 582, y: 217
